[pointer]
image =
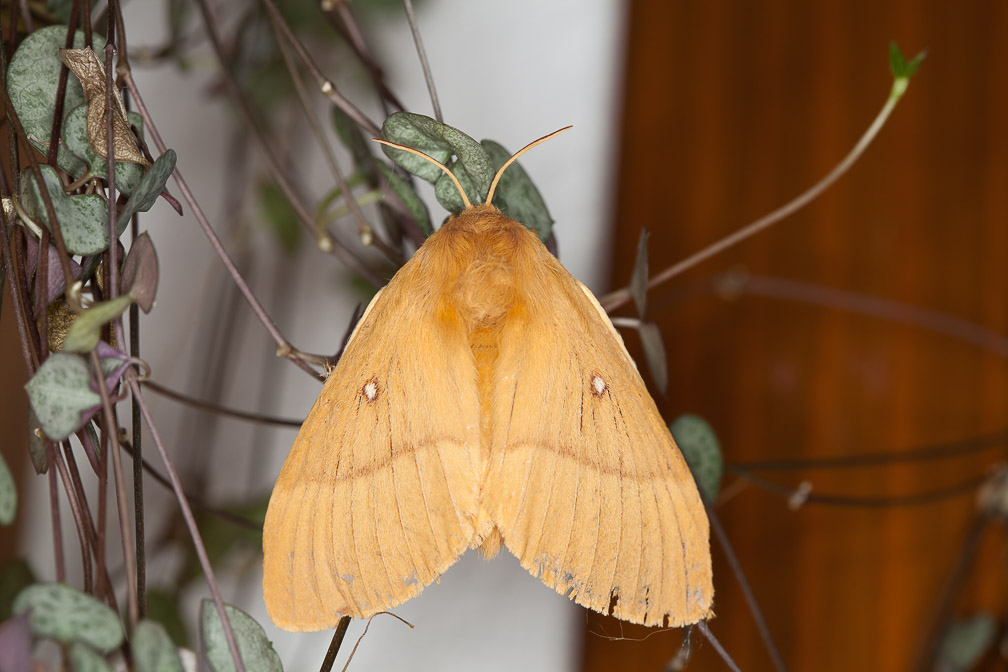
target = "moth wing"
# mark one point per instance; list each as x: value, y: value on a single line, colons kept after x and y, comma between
x: 375, y: 500
x: 585, y: 481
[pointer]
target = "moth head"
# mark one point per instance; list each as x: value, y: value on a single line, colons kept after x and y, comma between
x: 496, y: 179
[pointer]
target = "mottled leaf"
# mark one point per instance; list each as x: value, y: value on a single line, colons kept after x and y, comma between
x: 654, y: 353
x: 447, y: 193
x: 965, y: 642
x: 33, y: 80
x: 85, y: 332
x: 85, y: 659
x: 639, y: 279
x: 90, y: 70
x: 164, y: 609
x: 414, y: 204
x: 153, y: 650
x: 151, y: 186
x: 8, y: 494
x: 516, y: 196
x: 62, y: 613
x: 439, y: 141
x: 61, y: 396
x: 699, y: 445
x: 140, y: 272
x: 75, y: 137
x: 83, y: 218
x: 256, y: 649
x: 15, y: 645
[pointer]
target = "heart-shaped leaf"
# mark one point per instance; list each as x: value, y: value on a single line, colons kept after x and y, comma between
x: 439, y: 141
x: 140, y: 272
x: 75, y: 136
x: 61, y: 396
x: 85, y: 332
x: 83, y: 218
x: 699, y: 445
x: 33, y: 81
x: 8, y: 494
x: 54, y: 271
x: 516, y: 196
x: 150, y: 187
x: 85, y: 659
x: 153, y: 650
x: 256, y: 649
x: 67, y: 615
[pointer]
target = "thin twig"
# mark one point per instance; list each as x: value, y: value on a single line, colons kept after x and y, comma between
x: 110, y: 433
x: 78, y: 517
x: 190, y: 521
x: 334, y: 645
x: 428, y: 77
x: 622, y: 296
x: 284, y: 348
x: 325, y: 85
x: 750, y: 597
x: 57, y: 529
x: 705, y: 631
x: 221, y: 410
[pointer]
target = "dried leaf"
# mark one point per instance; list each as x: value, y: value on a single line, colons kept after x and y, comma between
x: 89, y: 69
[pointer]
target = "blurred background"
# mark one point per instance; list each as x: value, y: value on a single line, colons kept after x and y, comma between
x: 869, y: 323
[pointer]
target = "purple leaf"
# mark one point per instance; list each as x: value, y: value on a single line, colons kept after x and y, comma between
x: 140, y: 272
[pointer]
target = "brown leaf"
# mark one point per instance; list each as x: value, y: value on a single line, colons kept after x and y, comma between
x: 90, y: 70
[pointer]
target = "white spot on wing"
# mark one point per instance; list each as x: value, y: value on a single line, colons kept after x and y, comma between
x: 370, y: 390
x: 598, y: 385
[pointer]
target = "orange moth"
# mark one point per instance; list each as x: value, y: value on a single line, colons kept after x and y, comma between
x: 485, y: 398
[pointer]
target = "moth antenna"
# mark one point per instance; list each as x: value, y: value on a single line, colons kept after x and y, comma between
x: 465, y: 199
x: 493, y: 185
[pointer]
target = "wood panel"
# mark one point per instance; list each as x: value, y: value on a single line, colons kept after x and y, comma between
x: 731, y: 109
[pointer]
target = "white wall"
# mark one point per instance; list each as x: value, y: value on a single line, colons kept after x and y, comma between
x: 512, y: 71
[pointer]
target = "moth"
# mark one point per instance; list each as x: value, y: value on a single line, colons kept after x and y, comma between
x: 485, y: 399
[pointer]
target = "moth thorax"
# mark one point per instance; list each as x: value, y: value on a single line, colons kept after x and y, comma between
x: 484, y: 292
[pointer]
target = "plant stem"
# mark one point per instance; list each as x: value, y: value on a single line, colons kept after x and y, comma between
x: 620, y: 297
x: 422, y: 54
x: 334, y: 645
x: 222, y: 410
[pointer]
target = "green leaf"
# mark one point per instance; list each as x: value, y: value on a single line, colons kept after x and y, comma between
x: 447, y: 193
x: 255, y: 648
x: 439, y: 141
x: 83, y: 219
x: 67, y: 615
x: 966, y: 641
x: 33, y: 80
x: 85, y: 659
x: 899, y: 66
x: 8, y: 494
x: 639, y: 279
x: 15, y: 576
x: 414, y: 204
x: 654, y: 353
x: 60, y: 394
x: 85, y: 332
x: 699, y: 445
x: 140, y: 272
x: 279, y: 215
x: 36, y: 444
x: 153, y: 650
x: 516, y: 195
x: 75, y: 137
x: 150, y: 187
